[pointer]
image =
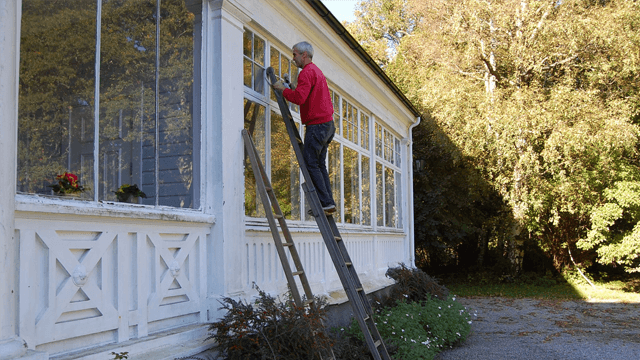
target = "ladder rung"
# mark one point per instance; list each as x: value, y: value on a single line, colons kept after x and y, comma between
x: 277, y: 216
x: 296, y: 273
x: 359, y: 289
x: 338, y: 238
x: 366, y: 318
x: 349, y: 263
x: 287, y: 244
x: 268, y: 188
x: 378, y: 343
x: 309, y: 302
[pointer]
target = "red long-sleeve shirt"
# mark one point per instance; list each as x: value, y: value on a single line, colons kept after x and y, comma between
x: 312, y: 94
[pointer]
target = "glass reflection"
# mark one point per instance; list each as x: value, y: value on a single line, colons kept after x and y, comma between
x: 335, y: 175
x: 56, y: 93
x: 365, y: 189
x: 254, y: 123
x: 379, y: 195
x: 285, y: 178
x: 389, y: 198
x: 145, y: 111
x: 351, y: 187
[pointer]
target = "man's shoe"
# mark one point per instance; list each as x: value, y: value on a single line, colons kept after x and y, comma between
x: 329, y: 209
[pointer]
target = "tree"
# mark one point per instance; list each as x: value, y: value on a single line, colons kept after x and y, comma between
x: 539, y: 98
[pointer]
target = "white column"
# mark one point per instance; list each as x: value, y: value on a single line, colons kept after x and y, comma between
x: 223, y: 93
x: 10, y: 345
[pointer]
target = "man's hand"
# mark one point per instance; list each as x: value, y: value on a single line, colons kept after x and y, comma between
x: 279, y: 86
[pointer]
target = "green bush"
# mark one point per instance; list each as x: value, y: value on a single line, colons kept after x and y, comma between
x: 420, y: 330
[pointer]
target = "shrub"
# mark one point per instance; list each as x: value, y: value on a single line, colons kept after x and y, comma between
x: 270, y: 329
x: 413, y: 285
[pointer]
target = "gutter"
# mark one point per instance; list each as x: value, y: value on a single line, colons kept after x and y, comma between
x: 410, y: 210
x: 319, y: 7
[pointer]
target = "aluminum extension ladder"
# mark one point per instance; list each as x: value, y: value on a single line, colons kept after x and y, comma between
x: 331, y: 235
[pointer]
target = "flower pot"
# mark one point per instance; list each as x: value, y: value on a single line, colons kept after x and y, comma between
x: 132, y: 199
x: 73, y: 195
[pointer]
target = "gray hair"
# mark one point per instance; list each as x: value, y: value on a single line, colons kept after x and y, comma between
x: 303, y: 47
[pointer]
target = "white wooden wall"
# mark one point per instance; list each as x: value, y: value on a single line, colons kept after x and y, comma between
x: 372, y: 254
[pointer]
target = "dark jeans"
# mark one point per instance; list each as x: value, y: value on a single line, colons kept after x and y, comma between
x: 316, y: 142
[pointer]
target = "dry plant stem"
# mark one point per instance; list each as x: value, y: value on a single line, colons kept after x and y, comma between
x: 580, y: 271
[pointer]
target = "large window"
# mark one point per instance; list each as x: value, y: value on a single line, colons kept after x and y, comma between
x: 363, y: 159
x: 107, y: 92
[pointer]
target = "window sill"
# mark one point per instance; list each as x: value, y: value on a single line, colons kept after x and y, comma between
x: 44, y: 204
x: 261, y: 224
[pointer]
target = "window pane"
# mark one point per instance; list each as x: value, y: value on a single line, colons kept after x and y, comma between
x: 398, y: 203
x: 285, y: 173
x: 378, y: 139
x: 274, y: 62
x: 336, y: 111
x: 175, y: 118
x: 254, y: 122
x: 294, y: 80
x: 258, y: 50
x: 248, y: 67
x: 258, y: 73
x: 285, y: 66
x: 365, y: 180
x: 56, y: 94
x: 335, y: 175
x: 247, y: 43
x: 364, y: 126
x: 379, y: 195
x: 388, y: 146
x: 345, y: 125
x: 127, y: 99
x: 390, y: 198
x: 351, y: 187
x: 354, y: 121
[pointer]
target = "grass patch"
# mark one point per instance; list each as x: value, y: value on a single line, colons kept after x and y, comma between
x: 513, y: 290
x: 569, y: 286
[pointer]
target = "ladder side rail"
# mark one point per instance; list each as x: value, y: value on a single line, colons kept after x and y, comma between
x: 256, y: 164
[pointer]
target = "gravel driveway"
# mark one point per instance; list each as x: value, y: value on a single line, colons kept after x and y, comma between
x: 527, y: 329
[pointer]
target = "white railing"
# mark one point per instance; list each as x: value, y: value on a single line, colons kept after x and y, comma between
x: 87, y: 283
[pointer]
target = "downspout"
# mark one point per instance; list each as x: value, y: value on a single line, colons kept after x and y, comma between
x: 412, y: 241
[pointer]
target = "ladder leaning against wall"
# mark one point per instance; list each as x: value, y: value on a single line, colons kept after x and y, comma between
x: 331, y: 235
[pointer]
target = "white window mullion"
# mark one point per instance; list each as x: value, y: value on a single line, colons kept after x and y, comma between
x: 157, y: 105
x: 96, y: 108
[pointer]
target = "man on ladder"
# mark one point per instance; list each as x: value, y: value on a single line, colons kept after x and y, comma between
x: 316, y: 111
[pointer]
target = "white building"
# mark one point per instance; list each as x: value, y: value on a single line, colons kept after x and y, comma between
x: 95, y: 88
